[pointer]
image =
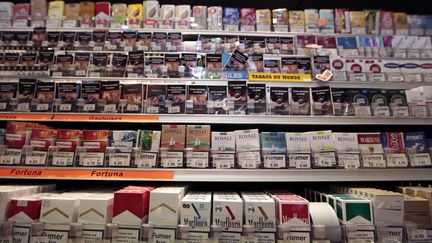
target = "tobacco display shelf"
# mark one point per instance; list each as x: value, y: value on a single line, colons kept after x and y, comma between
x: 187, y: 31
x: 187, y: 81
x: 217, y: 175
x: 210, y: 119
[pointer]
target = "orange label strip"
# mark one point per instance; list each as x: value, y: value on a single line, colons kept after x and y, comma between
x: 85, y: 174
x: 23, y: 117
x: 75, y: 117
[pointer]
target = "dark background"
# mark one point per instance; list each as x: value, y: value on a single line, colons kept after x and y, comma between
x: 409, y: 6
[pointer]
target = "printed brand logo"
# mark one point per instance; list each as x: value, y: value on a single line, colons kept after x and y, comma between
x: 410, y: 65
x: 338, y: 64
x: 426, y: 65
x: 369, y: 140
x: 391, y: 65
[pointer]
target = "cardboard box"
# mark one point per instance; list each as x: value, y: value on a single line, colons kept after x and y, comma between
x: 60, y: 208
x: 131, y: 205
x: 259, y: 211
x: 165, y: 204
x: 292, y: 210
x: 354, y: 210
x: 228, y: 211
x: 416, y: 210
x: 196, y: 211
x: 96, y: 209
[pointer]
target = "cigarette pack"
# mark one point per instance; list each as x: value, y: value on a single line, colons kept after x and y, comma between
x: 256, y: 99
x: 231, y: 19
x: 6, y: 11
x: 156, y: 97
x: 198, y: 137
x: 370, y: 143
x: 346, y: 142
x: 373, y: 21
x: 95, y: 140
x: 7, y: 93
x: 90, y: 93
x: 135, y: 14
x: 321, y: 141
x: 416, y: 141
x: 297, y: 21
x: 400, y: 22
x: 300, y: 101
x: 273, y: 142
x: 21, y: 11
x: 102, y: 14
x: 280, y: 19
x: 165, y: 206
x: 247, y: 19
x: 151, y: 10
x: 272, y: 64
x: 326, y: 21
x: 355, y: 65
x: 87, y: 10
x: 358, y: 22
x: 173, y: 137
x: 110, y: 92
x: 149, y: 140
x: 322, y: 103
x: 354, y: 210
x: 199, y: 14
x: 311, y: 20
x: 386, y: 22
x: 67, y: 140
x: 291, y: 209
x: 133, y: 94
x: 228, y: 211
x: 342, y: 21
x: 197, y: 94
x: 214, y: 18
x: 182, y: 15
x: 415, y: 25
x: 56, y: 9
x: 263, y: 19
x: 38, y: 9
x: 196, y: 211
x: 259, y: 211
x: 60, y: 208
x: 118, y: 14
x: 122, y: 139
x: 217, y: 100
x: 247, y: 140
x: 237, y: 95
x: 96, y: 208
x: 9, y: 192
x: 279, y: 100
x: 42, y: 139
x: 393, y: 141
x: 223, y: 141
x: 304, y: 65
x: 25, y: 209
x: 26, y: 93
x: 321, y: 63
x: 131, y: 205
x: 72, y: 11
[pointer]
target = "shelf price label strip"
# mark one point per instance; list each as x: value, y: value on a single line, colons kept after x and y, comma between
x: 26, y: 117
x: 85, y: 174
x: 76, y: 117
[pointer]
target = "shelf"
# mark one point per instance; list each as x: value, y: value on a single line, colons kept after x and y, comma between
x: 218, y: 175
x: 210, y: 119
x: 187, y: 81
x: 186, y: 31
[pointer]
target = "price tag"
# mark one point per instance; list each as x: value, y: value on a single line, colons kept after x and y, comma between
x: 97, y: 48
x: 391, y: 234
x: 64, y: 160
x: 172, y: 159
x: 358, y: 77
x: 3, y: 105
x: 373, y: 161
x: 174, y: 109
x: 299, y: 161
x: 110, y: 108
x: 157, y: 48
x: 57, y: 74
x: 39, y: 239
x: 152, y: 109
x: 132, y: 75
x: 419, y: 235
x: 296, y: 237
x: 128, y: 48
x: 132, y: 107
x: 274, y: 161
x: 248, y: 28
x: 9, y: 159
x: 59, y: 236
x: 400, y: 53
x: 119, y: 159
x: 420, y: 160
x: 146, y: 160
x: 361, y: 237
x: 92, y: 159
x: 349, y: 161
x: 325, y: 159
x: 198, y: 160
x: 23, y: 106
x: 395, y: 77
x: 249, y: 160
x: 65, y: 107
x: 111, y: 47
x: 397, y: 160
x: 361, y: 111
x: 231, y: 27
x: 42, y: 107
x: 89, y: 107
x: 94, y: 74
x: 80, y: 73
x: 401, y: 111
x: 382, y: 111
x: 377, y: 77
x: 223, y: 161
x: 37, y: 158
x: 413, y: 77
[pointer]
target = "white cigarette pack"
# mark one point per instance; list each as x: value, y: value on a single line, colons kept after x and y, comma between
x: 96, y: 209
x: 228, y: 211
x: 196, y: 211
x: 297, y: 142
x: 247, y: 140
x: 8, y: 192
x: 321, y: 141
x: 259, y: 211
x: 165, y: 204
x: 60, y: 208
x: 346, y: 142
